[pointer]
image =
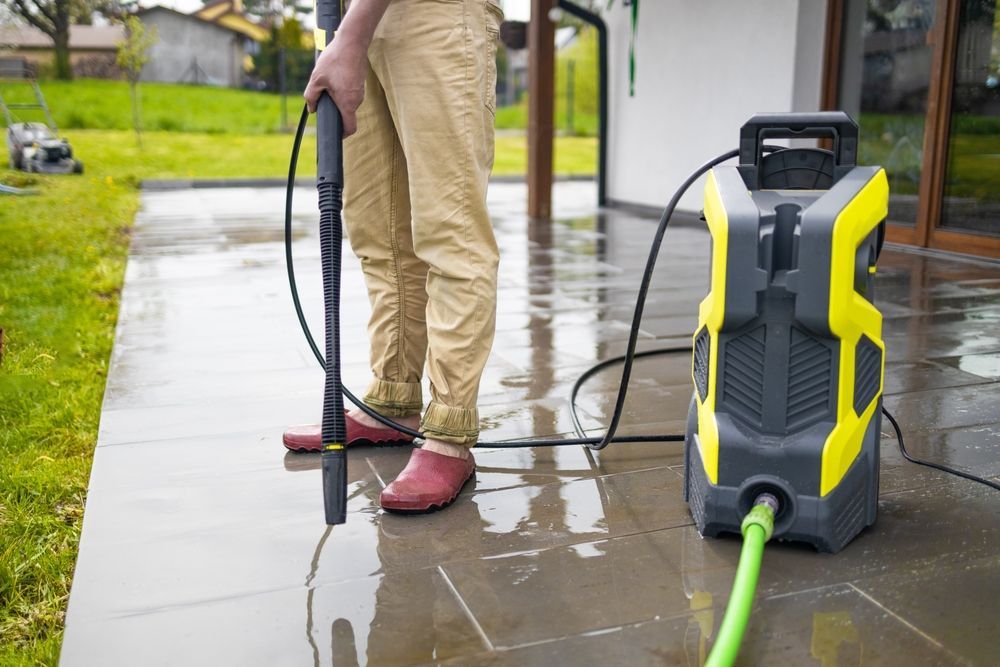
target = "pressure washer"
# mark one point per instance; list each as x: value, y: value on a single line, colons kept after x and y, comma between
x: 788, y: 361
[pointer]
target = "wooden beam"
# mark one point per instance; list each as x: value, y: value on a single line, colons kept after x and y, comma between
x: 832, y: 41
x: 944, y: 37
x: 541, y: 87
x: 970, y: 243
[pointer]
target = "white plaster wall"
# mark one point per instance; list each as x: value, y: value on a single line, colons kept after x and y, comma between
x: 703, y: 68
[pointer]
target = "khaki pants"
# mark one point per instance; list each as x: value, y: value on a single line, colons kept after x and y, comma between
x: 415, y: 208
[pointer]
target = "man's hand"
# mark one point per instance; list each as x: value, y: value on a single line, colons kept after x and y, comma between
x: 340, y: 72
x: 341, y: 68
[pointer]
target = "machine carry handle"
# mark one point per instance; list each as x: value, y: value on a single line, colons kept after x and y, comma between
x: 836, y: 125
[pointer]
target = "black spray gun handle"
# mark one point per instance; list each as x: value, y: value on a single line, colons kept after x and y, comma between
x: 329, y: 142
x: 330, y: 187
x: 329, y: 125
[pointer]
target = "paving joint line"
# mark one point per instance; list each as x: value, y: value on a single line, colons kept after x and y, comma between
x: 378, y: 477
x: 910, y: 625
x: 468, y: 612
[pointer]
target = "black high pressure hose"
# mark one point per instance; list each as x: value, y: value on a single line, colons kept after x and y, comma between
x: 626, y: 359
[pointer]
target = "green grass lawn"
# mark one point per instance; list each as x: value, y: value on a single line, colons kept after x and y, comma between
x: 92, y: 104
x: 197, y: 131
x: 185, y: 155
x: 61, y: 272
x: 104, y: 105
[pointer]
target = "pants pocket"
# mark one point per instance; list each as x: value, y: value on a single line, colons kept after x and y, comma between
x: 490, y: 80
x: 493, y: 18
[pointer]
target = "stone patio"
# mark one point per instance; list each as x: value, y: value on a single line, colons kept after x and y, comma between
x: 204, y: 542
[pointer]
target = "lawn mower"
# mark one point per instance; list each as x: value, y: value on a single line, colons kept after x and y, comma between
x: 35, y: 148
x: 32, y: 146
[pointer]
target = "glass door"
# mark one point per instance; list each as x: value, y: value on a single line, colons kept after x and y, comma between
x: 922, y: 78
x: 885, y: 68
x: 972, y: 172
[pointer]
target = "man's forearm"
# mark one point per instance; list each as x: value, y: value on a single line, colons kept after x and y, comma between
x: 341, y: 67
x: 361, y: 19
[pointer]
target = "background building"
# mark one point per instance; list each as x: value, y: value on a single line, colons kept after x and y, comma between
x: 213, y: 45
x: 191, y: 49
x: 91, y: 49
x: 229, y: 13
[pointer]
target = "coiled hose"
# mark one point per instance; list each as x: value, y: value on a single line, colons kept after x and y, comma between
x: 334, y: 463
x: 626, y: 359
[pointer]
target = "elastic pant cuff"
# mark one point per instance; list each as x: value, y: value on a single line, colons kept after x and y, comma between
x: 395, y: 399
x: 455, y: 425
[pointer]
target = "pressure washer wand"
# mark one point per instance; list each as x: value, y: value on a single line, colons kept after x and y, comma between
x: 330, y: 185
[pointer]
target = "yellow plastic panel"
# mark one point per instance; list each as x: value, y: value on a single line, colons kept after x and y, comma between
x: 852, y: 316
x: 710, y: 315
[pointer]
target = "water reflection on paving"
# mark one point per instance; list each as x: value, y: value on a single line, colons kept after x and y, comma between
x: 204, y: 541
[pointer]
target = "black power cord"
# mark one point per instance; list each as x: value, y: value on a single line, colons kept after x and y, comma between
x: 626, y: 359
x: 931, y: 464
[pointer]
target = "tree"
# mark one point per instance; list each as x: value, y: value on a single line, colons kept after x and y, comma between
x: 287, y: 39
x: 54, y: 17
x: 132, y: 56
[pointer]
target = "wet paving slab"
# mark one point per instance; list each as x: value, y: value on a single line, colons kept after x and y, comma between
x: 204, y: 541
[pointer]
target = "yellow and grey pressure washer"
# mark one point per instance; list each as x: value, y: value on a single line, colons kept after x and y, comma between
x: 788, y: 356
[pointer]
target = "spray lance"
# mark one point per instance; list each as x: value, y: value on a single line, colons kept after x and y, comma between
x: 330, y: 187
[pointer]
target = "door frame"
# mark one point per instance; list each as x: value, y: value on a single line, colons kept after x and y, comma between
x: 927, y: 232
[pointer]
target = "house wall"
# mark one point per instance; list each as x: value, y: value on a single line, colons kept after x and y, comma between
x: 702, y: 69
x: 190, y: 50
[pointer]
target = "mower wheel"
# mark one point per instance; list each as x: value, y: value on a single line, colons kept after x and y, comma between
x: 77, y: 167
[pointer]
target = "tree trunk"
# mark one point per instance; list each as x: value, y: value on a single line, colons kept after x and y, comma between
x: 63, y: 67
x: 134, y: 85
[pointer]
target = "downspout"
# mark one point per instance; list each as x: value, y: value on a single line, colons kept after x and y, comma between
x: 597, y: 22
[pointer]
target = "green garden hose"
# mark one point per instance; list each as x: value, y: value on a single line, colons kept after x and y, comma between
x: 757, y: 527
